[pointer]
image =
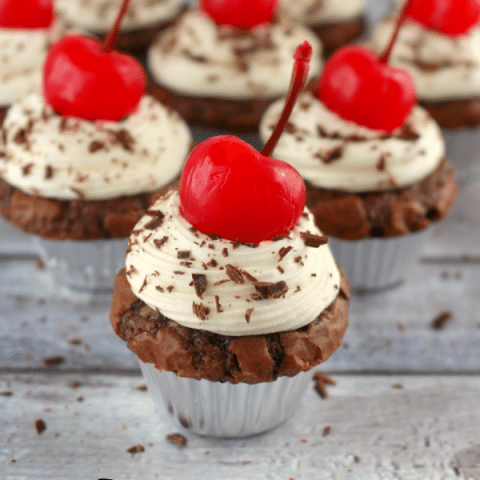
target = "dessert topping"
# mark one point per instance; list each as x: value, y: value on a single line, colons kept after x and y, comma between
x: 229, y: 189
x: 26, y: 14
x: 84, y: 79
x: 360, y: 86
x: 451, y: 17
x: 243, y: 14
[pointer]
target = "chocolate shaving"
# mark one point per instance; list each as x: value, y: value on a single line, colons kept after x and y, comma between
x: 248, y: 314
x: 312, y: 240
x: 123, y: 138
x: 48, y: 172
x: 177, y: 438
x: 280, y: 269
x: 212, y: 263
x: 234, y: 274
x: 441, y: 320
x: 271, y: 290
x: 144, y: 284
x: 248, y: 276
x: 160, y: 242
x: 201, y: 311
x: 283, y: 251
x: 236, y: 243
x: 155, y: 222
x: 225, y: 252
x: 170, y: 288
x: 199, y: 283
x: 20, y: 137
x: 321, y: 381
x: 183, y: 254
x: 279, y: 237
x: 221, y: 281
x: 95, y: 146
x: 27, y: 168
x: 53, y: 361
x: 135, y: 449
x: 159, y: 288
x: 330, y: 156
x: 381, y: 164
x: 217, y: 303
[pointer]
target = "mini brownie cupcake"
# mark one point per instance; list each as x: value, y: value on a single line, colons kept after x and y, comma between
x: 25, y: 34
x: 374, y: 165
x: 79, y: 170
x: 143, y: 20
x: 439, y: 47
x: 228, y: 325
x: 336, y: 23
x: 222, y: 72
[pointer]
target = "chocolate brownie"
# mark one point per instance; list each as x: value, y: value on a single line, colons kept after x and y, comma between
x: 204, y: 355
x: 353, y: 216
x: 335, y: 35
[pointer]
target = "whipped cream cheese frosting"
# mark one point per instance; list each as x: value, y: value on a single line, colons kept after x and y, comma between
x: 197, y: 57
x: 69, y: 158
x: 100, y: 15
x: 315, y: 12
x: 22, y: 53
x: 333, y: 153
x: 225, y: 287
x: 443, y: 67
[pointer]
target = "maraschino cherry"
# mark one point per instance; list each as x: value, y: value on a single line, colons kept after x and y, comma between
x: 244, y: 14
x: 85, y: 79
x: 229, y: 189
x: 359, y: 86
x: 451, y: 17
x: 26, y: 13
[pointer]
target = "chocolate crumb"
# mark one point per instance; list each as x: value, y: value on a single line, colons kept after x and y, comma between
x: 160, y: 242
x: 234, y: 274
x: 75, y: 384
x: 248, y: 314
x: 183, y: 254
x: 326, y: 430
x: 6, y: 393
x: 441, y: 320
x: 40, y: 426
x: 283, y: 251
x: 212, y: 263
x: 135, y: 449
x: 201, y: 311
x: 217, y: 302
x: 225, y: 252
x: 321, y: 381
x: 199, y: 283
x: 177, y: 438
x: 271, y: 290
x: 397, y: 385
x: 80, y: 399
x: 75, y: 341
x: 53, y: 361
x: 313, y: 240
x: 141, y: 388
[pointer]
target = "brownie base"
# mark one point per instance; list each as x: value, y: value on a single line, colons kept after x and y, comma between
x: 455, y: 113
x: 237, y: 116
x: 335, y: 35
x: 200, y: 354
x: 353, y: 216
x: 73, y: 219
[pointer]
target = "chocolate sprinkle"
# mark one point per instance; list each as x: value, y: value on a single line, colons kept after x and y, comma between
x: 201, y: 311
x: 234, y: 274
x: 312, y: 240
x: 199, y: 283
x: 283, y: 251
x: 271, y: 290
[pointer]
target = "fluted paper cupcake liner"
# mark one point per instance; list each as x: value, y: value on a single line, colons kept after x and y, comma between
x: 222, y: 409
x: 463, y: 149
x: 83, y: 266
x: 374, y: 264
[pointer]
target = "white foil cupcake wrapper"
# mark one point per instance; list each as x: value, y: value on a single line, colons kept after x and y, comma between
x: 373, y: 264
x: 83, y: 266
x: 463, y: 149
x: 222, y: 409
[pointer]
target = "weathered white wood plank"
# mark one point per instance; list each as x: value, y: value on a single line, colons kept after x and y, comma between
x: 13, y: 241
x: 389, y: 331
x: 380, y: 428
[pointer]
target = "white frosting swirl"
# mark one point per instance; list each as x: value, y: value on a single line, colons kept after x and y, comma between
x: 164, y: 281
x: 197, y: 57
x: 100, y: 15
x: 443, y: 67
x: 22, y: 56
x: 332, y: 153
x: 69, y: 158
x: 316, y: 12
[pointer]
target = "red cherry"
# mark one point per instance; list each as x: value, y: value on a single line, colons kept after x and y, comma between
x: 26, y: 13
x: 357, y: 86
x: 240, y: 13
x: 229, y: 189
x: 85, y: 79
x: 451, y: 17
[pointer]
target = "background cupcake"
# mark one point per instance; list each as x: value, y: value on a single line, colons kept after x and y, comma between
x: 336, y: 23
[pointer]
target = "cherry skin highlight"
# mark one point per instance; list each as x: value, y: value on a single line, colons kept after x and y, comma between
x: 26, y: 13
x: 229, y: 189
x: 451, y: 17
x: 83, y: 81
x: 243, y: 14
x: 357, y: 86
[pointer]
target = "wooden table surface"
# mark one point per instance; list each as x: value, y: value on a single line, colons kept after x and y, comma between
x: 406, y: 404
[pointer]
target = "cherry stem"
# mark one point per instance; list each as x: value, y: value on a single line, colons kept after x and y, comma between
x: 112, y: 36
x: 302, y: 57
x: 400, y: 21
